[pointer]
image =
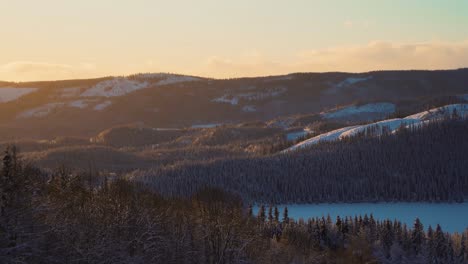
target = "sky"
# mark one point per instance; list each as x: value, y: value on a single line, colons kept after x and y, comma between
x: 68, y: 39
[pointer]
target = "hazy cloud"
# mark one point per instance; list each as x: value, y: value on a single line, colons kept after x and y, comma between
x: 29, y: 70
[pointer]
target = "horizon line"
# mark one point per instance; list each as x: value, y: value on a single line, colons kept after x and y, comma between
x: 236, y: 78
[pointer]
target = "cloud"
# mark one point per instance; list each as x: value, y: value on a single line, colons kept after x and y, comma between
x: 380, y: 55
x: 30, y: 70
x: 376, y: 55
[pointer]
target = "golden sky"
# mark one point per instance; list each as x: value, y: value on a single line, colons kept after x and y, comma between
x: 64, y: 39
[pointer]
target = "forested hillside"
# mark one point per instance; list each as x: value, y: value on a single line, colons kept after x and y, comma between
x: 64, y: 217
x: 419, y: 163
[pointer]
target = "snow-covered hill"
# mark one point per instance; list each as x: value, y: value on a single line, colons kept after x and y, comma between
x: 390, y: 125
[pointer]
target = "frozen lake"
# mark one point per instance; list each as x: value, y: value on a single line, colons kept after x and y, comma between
x: 451, y: 217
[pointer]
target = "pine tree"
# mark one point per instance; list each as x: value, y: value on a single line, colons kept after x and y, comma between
x: 6, y: 181
x: 431, y: 244
x: 417, y: 236
x: 261, y: 214
x: 440, y: 245
x: 270, y: 214
x: 339, y: 224
x: 455, y: 114
x: 387, y: 237
x: 462, y: 254
x: 276, y: 214
x: 250, y: 211
x: 285, y: 215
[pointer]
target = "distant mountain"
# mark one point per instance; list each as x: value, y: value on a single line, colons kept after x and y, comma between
x: 84, y: 108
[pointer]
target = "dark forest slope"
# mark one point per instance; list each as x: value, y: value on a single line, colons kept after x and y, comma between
x: 418, y: 164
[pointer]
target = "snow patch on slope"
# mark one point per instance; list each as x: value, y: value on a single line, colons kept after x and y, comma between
x: 383, y: 108
x: 390, y: 125
x: 346, y: 83
x: 297, y: 134
x: 226, y: 99
x: 102, y: 105
x: 464, y: 97
x: 114, y: 87
x: 441, y: 112
x: 121, y: 86
x: 352, y: 80
x: 234, y: 99
x: 249, y: 108
x: 70, y: 92
x: 78, y: 104
x: 8, y: 94
x: 173, y: 79
x: 207, y: 125
x: 330, y: 136
x: 40, y: 111
x: 283, y: 123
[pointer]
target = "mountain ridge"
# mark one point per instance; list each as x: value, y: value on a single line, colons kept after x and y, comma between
x: 86, y: 107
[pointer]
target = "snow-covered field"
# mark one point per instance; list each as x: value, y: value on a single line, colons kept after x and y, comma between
x: 390, y: 125
x: 452, y: 217
x: 8, y: 94
x: 379, y: 108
